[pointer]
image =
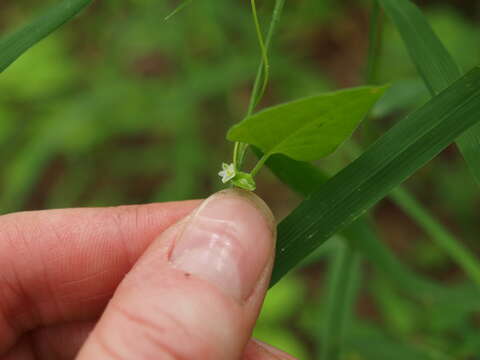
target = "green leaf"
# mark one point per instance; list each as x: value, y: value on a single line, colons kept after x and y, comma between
x: 14, y: 45
x: 343, y: 283
x: 435, y: 65
x: 393, y: 158
x: 19, y: 82
x: 300, y: 176
x: 309, y: 128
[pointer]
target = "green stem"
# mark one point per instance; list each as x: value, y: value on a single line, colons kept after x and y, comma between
x: 374, y: 40
x: 462, y: 256
x: 342, y: 286
x: 373, y: 56
x: 235, y: 155
x: 259, y: 165
x: 256, y: 94
x: 177, y: 9
x: 263, y: 51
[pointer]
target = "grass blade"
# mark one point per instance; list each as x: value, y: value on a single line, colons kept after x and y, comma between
x: 304, y: 178
x: 434, y: 64
x: 394, y: 157
x: 344, y: 272
x: 177, y: 10
x: 14, y: 45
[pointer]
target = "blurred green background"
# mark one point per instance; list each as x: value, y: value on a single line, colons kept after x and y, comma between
x: 122, y: 107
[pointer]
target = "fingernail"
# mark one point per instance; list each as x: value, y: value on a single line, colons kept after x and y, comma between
x: 228, y: 241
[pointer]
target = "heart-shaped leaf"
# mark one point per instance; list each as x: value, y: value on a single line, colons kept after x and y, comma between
x: 309, y: 128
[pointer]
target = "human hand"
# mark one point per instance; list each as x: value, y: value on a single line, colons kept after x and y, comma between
x: 103, y: 284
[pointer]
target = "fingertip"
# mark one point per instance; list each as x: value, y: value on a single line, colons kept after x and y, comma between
x: 255, y: 200
x: 229, y: 241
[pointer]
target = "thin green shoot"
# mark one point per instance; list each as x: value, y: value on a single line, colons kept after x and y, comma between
x: 240, y: 148
x: 259, y: 164
x: 256, y: 95
x: 177, y: 10
x: 375, y: 43
x: 264, y: 54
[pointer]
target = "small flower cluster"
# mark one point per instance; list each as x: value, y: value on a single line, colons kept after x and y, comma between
x: 230, y: 174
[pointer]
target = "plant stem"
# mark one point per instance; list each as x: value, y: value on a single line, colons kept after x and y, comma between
x: 259, y: 165
x: 342, y: 285
x: 255, y: 96
x: 374, y: 40
x: 373, y: 58
x: 177, y: 9
x: 263, y: 51
x: 256, y: 93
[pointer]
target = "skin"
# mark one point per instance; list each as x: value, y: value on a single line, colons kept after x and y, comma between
x: 173, y: 281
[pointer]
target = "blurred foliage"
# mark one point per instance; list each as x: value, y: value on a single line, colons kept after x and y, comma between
x: 122, y: 107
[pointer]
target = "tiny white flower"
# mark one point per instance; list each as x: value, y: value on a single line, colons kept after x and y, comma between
x: 227, y: 173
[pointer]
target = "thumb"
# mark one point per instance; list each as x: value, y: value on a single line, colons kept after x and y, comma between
x: 197, y: 291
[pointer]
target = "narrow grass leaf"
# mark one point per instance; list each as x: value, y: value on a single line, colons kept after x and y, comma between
x: 304, y: 178
x: 309, y: 128
x: 177, y: 10
x: 361, y: 235
x: 343, y: 281
x: 434, y: 64
x: 14, y: 45
x: 393, y: 158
